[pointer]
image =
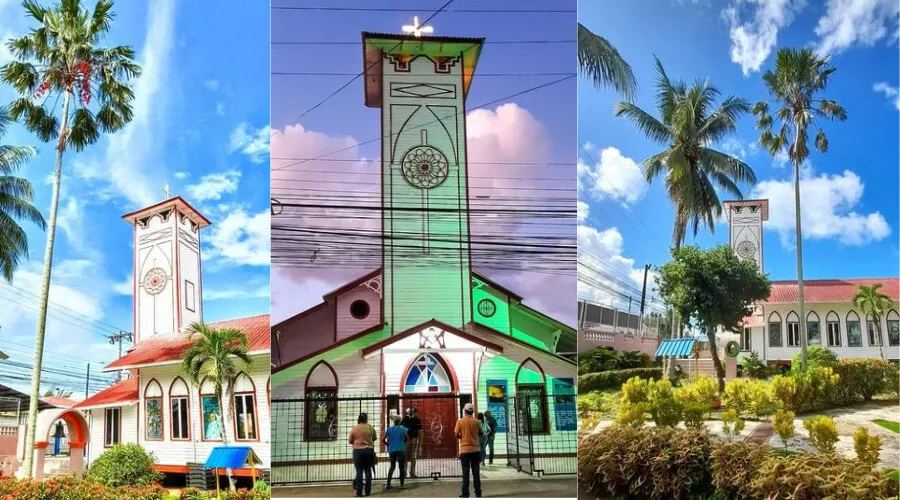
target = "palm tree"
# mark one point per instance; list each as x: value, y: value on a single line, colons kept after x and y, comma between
x: 798, y: 78
x: 16, y: 196
x: 872, y: 301
x: 57, y: 392
x: 217, y: 355
x: 63, y: 58
x: 602, y: 64
x: 687, y: 127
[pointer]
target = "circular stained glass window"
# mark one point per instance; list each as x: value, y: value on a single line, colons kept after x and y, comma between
x: 486, y: 308
x: 746, y: 249
x: 155, y: 281
x: 424, y: 167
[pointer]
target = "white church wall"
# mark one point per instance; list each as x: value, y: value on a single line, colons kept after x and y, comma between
x: 96, y: 421
x: 190, y: 306
x: 155, y: 314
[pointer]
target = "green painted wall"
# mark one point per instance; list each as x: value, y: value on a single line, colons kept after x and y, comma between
x: 500, y: 319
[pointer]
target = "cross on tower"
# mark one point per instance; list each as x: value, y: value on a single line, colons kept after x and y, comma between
x: 416, y: 30
x: 165, y: 191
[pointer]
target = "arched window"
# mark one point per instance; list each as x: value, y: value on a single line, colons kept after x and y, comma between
x: 320, y: 420
x: 427, y: 373
x: 153, y: 412
x: 813, y: 329
x: 793, y: 329
x: 210, y: 412
x: 873, y: 331
x: 531, y: 398
x: 180, y: 403
x: 854, y: 334
x: 775, y: 335
x: 245, y: 424
x: 893, y: 327
x: 833, y: 329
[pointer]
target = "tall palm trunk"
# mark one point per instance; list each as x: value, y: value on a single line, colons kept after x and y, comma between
x: 45, y: 293
x: 674, y: 328
x: 798, y: 235
x: 228, y: 472
x: 878, y: 332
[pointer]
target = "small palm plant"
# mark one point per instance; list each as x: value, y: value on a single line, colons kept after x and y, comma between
x: 16, y: 198
x: 873, y: 302
x: 220, y: 356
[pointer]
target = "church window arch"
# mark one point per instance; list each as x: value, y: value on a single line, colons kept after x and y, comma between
x: 320, y: 420
x: 211, y: 422
x: 532, y: 410
x: 180, y: 414
x: 893, y: 327
x: 793, y: 329
x: 776, y: 337
x: 854, y: 332
x: 813, y: 329
x: 246, y: 426
x: 153, y: 411
x: 428, y: 373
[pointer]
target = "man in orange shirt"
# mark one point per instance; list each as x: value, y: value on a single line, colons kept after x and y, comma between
x: 468, y: 432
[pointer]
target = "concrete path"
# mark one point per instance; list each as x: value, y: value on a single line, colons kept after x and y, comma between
x: 523, y: 487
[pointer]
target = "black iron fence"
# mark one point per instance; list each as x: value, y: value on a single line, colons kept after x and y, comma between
x: 310, y: 435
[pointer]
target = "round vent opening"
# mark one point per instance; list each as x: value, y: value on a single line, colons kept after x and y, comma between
x: 359, y: 309
x: 487, y: 308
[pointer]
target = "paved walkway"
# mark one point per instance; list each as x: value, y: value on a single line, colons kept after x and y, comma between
x: 522, y: 487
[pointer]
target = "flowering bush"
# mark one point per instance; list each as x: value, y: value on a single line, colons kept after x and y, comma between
x: 70, y: 488
x: 822, y: 433
x: 784, y: 426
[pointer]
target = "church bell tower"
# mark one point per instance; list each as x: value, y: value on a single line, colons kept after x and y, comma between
x: 420, y: 83
x: 167, y: 282
x: 745, y: 231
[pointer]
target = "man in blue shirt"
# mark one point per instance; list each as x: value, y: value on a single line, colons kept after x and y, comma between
x: 395, y: 438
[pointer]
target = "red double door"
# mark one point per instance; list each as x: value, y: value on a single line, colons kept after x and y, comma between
x: 438, y: 416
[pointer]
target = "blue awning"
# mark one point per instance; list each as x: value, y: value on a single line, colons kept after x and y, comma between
x: 679, y: 348
x: 232, y: 457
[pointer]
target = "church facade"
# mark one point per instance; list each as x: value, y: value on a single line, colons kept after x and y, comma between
x: 773, y: 330
x: 425, y: 330
x: 156, y: 405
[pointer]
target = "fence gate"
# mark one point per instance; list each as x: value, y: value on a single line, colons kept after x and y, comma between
x: 518, y: 438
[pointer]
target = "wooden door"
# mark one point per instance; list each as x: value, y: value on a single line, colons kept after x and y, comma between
x: 438, y: 416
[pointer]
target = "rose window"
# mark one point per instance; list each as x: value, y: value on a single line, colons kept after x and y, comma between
x: 424, y: 167
x: 746, y: 249
x: 155, y: 281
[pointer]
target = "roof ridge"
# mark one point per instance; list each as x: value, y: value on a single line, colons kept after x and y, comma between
x: 240, y: 318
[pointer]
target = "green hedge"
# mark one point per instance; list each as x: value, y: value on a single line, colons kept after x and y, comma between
x: 614, y: 379
x: 69, y: 488
x: 661, y: 462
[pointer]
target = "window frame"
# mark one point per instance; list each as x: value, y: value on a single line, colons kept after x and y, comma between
x: 252, y: 394
x: 162, y: 415
x: 545, y: 407
x: 892, y: 317
x: 748, y: 332
x: 107, y: 443
x: 780, y: 330
x: 793, y: 330
x: 307, y: 414
x: 856, y: 321
x: 187, y: 410
x: 200, y: 396
x: 809, y: 323
x: 872, y: 332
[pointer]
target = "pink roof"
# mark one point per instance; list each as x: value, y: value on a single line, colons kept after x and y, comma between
x: 124, y: 392
x: 835, y: 290
x: 172, y: 347
x: 59, y: 402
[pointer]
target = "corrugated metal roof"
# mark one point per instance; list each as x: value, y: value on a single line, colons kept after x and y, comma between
x: 124, y: 392
x: 231, y: 457
x: 676, y: 347
x: 824, y: 291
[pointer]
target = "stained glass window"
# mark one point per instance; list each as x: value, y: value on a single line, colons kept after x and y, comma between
x: 427, y: 374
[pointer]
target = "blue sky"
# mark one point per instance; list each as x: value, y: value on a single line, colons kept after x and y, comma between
x: 534, y: 127
x: 849, y: 195
x: 201, y: 126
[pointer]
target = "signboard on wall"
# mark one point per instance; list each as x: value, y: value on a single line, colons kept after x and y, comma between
x: 564, y: 404
x: 496, y: 392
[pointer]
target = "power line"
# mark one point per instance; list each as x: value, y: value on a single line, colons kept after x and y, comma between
x: 448, y: 11
x: 486, y: 42
x: 56, y: 304
x: 479, y: 75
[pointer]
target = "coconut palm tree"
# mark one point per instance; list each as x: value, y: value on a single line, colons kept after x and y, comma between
x: 16, y: 196
x: 63, y: 59
x: 799, y: 77
x: 220, y: 356
x: 687, y: 127
x: 872, y: 301
x: 602, y: 64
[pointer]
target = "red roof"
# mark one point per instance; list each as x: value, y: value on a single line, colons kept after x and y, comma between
x: 172, y: 347
x: 836, y: 290
x: 59, y: 402
x: 124, y: 392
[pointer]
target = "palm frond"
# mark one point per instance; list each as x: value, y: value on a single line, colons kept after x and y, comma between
x: 603, y: 65
x: 652, y: 128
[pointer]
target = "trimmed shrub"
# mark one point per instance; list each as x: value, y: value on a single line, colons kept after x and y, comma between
x: 816, y: 356
x: 760, y: 402
x: 654, y: 462
x: 732, y: 423
x: 603, y: 359
x: 665, y: 410
x: 822, y: 433
x: 784, y: 426
x: 635, y: 402
x: 634, y: 359
x: 867, y: 447
x: 737, y: 395
x: 697, y: 400
x: 614, y: 379
x: 782, y: 388
x: 70, y: 488
x: 123, y: 465
x: 862, y: 379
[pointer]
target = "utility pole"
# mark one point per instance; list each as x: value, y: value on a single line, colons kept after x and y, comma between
x: 118, y: 338
x: 643, y: 296
x: 87, y: 381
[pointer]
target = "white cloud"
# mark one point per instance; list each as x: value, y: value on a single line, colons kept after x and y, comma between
x: 741, y: 150
x: 124, y: 287
x: 754, y: 26
x: 181, y: 175
x: 213, y: 186
x: 604, y: 274
x: 615, y: 177
x: 211, y: 85
x: 241, y: 239
x: 237, y: 293
x: 254, y: 144
x: 220, y: 109
x: 889, y: 91
x: 849, y: 22
x: 830, y: 209
x: 583, y: 210
x: 589, y: 146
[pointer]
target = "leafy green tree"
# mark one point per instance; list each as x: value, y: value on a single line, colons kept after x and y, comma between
x: 602, y: 64
x: 63, y: 58
x: 799, y: 77
x: 687, y: 127
x: 16, y: 197
x: 714, y: 287
x: 220, y: 356
x: 872, y: 301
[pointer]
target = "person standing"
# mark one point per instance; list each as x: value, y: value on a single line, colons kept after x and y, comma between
x: 414, y: 438
x: 395, y: 439
x: 492, y: 424
x: 485, y: 430
x: 468, y: 432
x: 362, y: 438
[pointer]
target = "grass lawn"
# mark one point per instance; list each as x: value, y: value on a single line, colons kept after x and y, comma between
x: 888, y: 424
x: 602, y: 404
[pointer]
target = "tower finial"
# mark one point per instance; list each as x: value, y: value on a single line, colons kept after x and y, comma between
x: 416, y: 30
x: 165, y: 191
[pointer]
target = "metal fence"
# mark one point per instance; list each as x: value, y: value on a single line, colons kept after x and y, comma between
x: 310, y: 436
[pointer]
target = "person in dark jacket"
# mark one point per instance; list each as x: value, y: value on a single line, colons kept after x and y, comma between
x: 492, y: 424
x: 414, y: 438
